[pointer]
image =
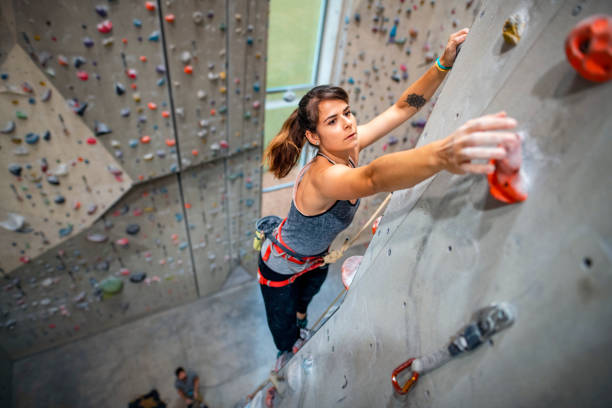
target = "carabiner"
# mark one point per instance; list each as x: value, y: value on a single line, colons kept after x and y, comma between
x: 413, y: 378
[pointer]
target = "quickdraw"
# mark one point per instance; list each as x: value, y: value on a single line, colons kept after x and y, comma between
x: 485, y: 323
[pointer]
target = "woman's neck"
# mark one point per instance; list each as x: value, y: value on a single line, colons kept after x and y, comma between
x: 338, y: 157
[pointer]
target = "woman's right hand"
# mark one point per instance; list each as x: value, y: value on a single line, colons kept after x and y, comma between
x: 484, y: 138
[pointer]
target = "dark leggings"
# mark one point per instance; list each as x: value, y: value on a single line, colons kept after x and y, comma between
x: 283, y: 303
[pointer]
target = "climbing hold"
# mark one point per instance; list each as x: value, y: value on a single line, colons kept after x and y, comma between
x: 198, y: 17
x: 131, y: 73
x: 138, y: 277
x: 170, y: 142
x: 136, y: 98
x: 188, y: 69
x: 46, y: 96
x: 59, y: 199
x: 507, y: 183
x: 154, y: 36
x: 32, y: 138
x: 132, y: 229
x: 21, y: 115
x: 102, y: 10
x: 152, y: 106
x: 137, y: 23
x: 349, y: 269
x: 14, y: 222
x: 119, y: 88
x: 125, y: 112
x: 15, y: 169
x: 145, y: 139
x: 91, y: 141
x: 92, y: 209
x: 148, y: 157
x: 170, y: 18
x: 185, y: 57
x: 101, y: 129
x: 513, y: 29
x: 419, y: 123
x: 105, y: 27
x: 122, y: 242
x: 88, y: 42
x: 150, y: 5
x: 9, y: 128
x: 61, y: 170
x: 82, y: 75
x: 53, y: 180
x: 111, y: 285
x: 588, y: 48
x: 97, y: 238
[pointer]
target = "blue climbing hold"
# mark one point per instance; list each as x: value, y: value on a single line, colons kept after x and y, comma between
x: 256, y: 86
x: 133, y: 142
x: 137, y: 23
x: 179, y: 217
x: 64, y: 232
x: 154, y: 36
x: 32, y: 138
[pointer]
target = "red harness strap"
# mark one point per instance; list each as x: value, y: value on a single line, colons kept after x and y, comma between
x: 300, y: 261
x: 280, y: 284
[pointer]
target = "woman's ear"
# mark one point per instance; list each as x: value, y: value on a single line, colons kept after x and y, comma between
x: 312, y: 138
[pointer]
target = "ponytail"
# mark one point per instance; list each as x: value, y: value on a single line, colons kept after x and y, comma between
x: 284, y: 150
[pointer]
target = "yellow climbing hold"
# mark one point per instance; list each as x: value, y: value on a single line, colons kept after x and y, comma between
x: 513, y: 29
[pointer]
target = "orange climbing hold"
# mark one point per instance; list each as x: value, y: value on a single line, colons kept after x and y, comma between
x: 152, y: 105
x: 188, y: 69
x: 195, y: 152
x: 165, y: 114
x: 506, y: 183
x: 170, y: 142
x: 589, y: 48
x: 187, y: 205
x: 143, y: 58
x: 170, y: 18
x: 145, y: 139
x: 150, y: 5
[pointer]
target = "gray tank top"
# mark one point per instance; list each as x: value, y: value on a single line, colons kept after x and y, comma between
x: 309, y: 235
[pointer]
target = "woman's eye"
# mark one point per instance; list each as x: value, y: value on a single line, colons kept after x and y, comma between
x: 331, y: 122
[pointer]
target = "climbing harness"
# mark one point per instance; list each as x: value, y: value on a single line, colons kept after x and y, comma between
x: 270, y: 227
x: 485, y: 323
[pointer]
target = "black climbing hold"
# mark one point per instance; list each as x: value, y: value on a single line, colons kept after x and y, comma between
x: 119, y: 88
x: 101, y: 129
x: 59, y: 199
x: 53, y: 180
x: 15, y: 169
x: 47, y: 135
x: 102, y: 10
x: 138, y: 277
x: 79, y: 61
x: 132, y: 229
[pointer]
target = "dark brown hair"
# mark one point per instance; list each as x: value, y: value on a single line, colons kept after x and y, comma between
x: 284, y: 150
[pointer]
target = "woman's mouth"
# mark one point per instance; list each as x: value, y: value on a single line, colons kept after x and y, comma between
x: 351, y: 135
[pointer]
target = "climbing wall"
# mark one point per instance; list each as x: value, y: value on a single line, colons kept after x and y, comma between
x: 382, y: 48
x: 447, y: 248
x: 132, y: 147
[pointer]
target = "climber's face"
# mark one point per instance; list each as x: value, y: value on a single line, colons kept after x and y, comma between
x: 337, y: 127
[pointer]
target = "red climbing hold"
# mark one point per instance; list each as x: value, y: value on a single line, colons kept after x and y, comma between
x: 150, y: 5
x: 83, y: 76
x: 145, y: 139
x: 506, y: 183
x: 143, y: 58
x: 589, y: 48
x: 152, y: 105
x: 165, y: 114
x: 170, y: 142
x: 170, y: 18
x: 188, y: 69
x: 105, y: 27
x: 122, y: 242
x: 131, y: 72
x: 91, y: 141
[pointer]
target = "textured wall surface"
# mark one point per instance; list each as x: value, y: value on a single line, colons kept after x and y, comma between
x: 156, y: 111
x: 447, y: 248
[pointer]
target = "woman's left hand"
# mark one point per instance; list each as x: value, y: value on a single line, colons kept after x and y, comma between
x: 450, y: 52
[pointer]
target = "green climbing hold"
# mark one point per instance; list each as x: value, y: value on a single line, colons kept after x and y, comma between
x: 21, y: 115
x: 111, y: 285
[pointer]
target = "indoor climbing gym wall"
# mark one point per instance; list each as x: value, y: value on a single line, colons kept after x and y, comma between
x: 383, y: 47
x: 487, y: 291
x: 132, y: 147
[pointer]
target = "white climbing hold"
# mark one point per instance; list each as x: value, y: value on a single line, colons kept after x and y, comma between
x: 61, y: 170
x: 185, y: 57
x: 14, y: 222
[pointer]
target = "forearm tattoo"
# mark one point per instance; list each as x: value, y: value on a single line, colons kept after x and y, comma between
x: 415, y: 100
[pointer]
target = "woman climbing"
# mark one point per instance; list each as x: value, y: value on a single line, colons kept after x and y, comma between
x: 327, y: 190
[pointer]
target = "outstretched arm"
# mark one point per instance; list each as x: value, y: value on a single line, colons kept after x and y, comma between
x: 413, y: 98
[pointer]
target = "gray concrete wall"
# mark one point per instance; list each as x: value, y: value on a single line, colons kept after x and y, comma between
x: 6, y: 380
x: 446, y: 248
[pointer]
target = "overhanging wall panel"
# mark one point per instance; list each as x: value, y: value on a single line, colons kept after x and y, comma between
x: 61, y: 299
x: 60, y: 30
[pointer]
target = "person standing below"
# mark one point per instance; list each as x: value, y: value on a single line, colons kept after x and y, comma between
x: 186, y: 384
x: 327, y: 191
